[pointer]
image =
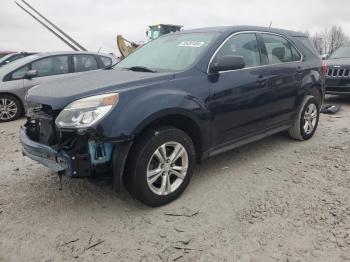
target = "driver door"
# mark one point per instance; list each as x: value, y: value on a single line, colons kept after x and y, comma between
x: 239, y: 98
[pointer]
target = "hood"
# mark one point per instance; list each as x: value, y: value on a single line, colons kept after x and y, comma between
x: 338, y: 62
x: 59, y: 93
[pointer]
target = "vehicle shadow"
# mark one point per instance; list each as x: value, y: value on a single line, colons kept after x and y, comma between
x: 84, y: 192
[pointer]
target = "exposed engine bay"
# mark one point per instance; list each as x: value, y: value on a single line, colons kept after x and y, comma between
x: 88, y: 153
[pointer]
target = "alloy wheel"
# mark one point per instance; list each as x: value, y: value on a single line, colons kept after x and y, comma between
x: 8, y: 109
x: 310, y: 118
x: 167, y: 168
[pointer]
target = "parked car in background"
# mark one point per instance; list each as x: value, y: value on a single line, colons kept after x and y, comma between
x: 13, y: 57
x: 173, y: 102
x: 324, y: 56
x: 338, y: 71
x: 19, y: 76
x: 3, y: 53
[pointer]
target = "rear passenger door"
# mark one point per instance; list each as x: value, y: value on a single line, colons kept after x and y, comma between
x: 283, y: 74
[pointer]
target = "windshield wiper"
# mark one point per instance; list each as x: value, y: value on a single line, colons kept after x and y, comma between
x: 140, y: 69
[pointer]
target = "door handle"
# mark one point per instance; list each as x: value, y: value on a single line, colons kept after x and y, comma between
x: 300, y: 70
x: 261, y: 80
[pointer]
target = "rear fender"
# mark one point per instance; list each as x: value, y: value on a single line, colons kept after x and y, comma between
x: 313, y: 83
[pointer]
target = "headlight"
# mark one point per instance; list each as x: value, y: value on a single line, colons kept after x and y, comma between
x: 87, y: 111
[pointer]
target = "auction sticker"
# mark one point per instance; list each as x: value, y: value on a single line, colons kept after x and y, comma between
x: 191, y: 44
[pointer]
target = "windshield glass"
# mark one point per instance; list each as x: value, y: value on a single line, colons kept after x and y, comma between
x: 16, y: 64
x: 173, y: 52
x: 341, y: 52
x: 4, y: 58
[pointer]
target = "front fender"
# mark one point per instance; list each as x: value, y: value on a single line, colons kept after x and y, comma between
x: 140, y: 109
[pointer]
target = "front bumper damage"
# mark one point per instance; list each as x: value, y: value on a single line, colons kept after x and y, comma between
x: 77, y: 164
x: 55, y: 161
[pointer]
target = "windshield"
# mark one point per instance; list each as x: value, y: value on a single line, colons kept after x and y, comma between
x: 173, y: 52
x: 4, y: 58
x: 16, y: 64
x: 341, y: 52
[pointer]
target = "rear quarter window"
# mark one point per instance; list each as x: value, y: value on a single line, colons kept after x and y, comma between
x: 106, y: 61
x: 306, y: 42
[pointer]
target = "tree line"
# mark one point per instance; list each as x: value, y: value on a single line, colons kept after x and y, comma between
x: 329, y: 39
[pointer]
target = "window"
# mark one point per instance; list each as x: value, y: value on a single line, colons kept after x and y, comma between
x: 245, y: 45
x: 341, y: 52
x: 10, y: 58
x: 296, y: 54
x: 15, y: 57
x: 106, y: 61
x: 20, y: 73
x: 84, y: 63
x: 54, y: 65
x: 279, y: 50
x: 308, y: 44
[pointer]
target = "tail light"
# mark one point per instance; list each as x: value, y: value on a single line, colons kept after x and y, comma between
x: 325, y: 69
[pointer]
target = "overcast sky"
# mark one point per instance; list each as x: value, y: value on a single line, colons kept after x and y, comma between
x: 95, y: 24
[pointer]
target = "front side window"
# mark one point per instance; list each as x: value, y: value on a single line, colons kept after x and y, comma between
x: 244, y: 45
x: 84, y: 63
x: 54, y: 65
x: 20, y: 73
x: 279, y: 50
x: 172, y: 52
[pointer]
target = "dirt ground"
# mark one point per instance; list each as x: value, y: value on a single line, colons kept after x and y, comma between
x: 273, y: 200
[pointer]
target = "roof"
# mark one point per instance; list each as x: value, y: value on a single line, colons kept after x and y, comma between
x: 232, y: 29
x: 42, y: 54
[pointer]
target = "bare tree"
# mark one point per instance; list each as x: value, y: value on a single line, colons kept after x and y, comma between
x: 317, y: 40
x: 329, y: 40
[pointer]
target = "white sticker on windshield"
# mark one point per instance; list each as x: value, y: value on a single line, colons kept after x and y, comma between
x: 191, y: 44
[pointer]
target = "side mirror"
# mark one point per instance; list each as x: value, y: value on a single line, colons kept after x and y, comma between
x: 31, y: 73
x: 226, y: 63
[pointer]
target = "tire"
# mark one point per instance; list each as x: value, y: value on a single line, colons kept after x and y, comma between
x: 146, y: 163
x: 306, y: 123
x: 10, y: 108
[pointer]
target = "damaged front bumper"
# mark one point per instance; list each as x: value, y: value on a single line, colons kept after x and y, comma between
x: 46, y: 155
x: 74, y: 164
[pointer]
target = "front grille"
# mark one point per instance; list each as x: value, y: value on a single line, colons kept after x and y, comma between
x: 338, y: 72
x: 338, y: 89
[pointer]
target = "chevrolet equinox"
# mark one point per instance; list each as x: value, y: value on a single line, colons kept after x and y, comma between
x: 174, y: 102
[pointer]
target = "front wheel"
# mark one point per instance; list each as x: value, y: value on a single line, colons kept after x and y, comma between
x: 160, y: 166
x: 306, y: 123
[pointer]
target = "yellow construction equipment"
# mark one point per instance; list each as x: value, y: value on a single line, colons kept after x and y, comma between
x: 127, y: 47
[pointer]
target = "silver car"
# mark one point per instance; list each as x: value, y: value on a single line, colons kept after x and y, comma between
x: 18, y: 77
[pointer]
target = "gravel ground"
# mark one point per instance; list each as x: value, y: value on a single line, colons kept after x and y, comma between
x: 273, y: 200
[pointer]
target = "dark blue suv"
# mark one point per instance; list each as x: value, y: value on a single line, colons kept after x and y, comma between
x: 174, y: 102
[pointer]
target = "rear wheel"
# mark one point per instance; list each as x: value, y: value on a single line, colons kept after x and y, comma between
x: 160, y: 166
x: 10, y: 108
x: 305, y: 125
